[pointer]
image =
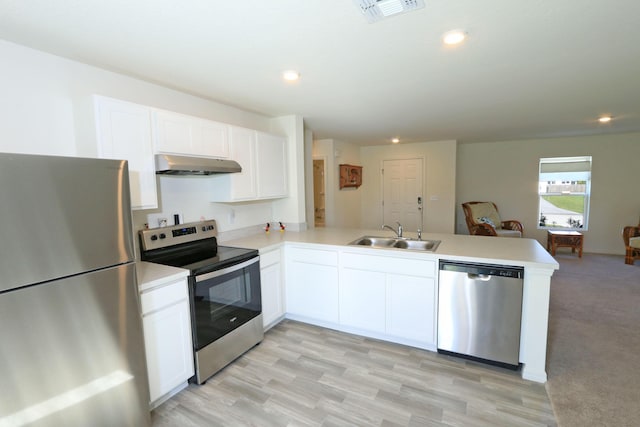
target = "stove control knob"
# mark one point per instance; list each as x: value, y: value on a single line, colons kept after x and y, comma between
x: 154, y: 237
x: 210, y: 227
x: 162, y: 235
x: 204, y: 228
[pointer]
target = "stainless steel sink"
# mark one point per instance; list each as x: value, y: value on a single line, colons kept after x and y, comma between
x: 417, y: 245
x: 379, y: 242
x: 396, y: 243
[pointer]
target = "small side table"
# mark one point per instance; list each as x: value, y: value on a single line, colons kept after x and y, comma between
x: 568, y: 239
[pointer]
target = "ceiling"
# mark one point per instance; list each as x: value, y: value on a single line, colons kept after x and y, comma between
x: 529, y: 69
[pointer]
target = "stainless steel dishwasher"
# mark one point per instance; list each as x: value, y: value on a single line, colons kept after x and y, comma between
x: 479, y: 312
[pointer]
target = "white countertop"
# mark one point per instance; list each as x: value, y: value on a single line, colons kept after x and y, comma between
x: 493, y: 250
x: 151, y: 275
x: 497, y: 250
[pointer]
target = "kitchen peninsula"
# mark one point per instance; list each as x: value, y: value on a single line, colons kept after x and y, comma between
x: 391, y: 294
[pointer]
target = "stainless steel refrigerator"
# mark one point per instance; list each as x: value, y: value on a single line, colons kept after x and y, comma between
x: 71, y: 343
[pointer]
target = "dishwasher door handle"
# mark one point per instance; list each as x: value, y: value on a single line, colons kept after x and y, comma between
x: 481, y: 277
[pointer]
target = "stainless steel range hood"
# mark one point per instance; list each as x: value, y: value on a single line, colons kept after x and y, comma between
x: 168, y: 164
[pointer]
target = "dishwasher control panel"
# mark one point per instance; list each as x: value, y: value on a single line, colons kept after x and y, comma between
x: 483, y: 269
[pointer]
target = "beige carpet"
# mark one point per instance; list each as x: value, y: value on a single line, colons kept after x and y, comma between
x: 593, y: 359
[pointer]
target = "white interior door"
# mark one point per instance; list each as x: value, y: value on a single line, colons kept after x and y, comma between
x: 402, y: 185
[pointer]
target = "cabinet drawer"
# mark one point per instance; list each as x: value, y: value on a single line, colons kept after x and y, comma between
x: 269, y: 258
x: 314, y: 256
x: 164, y: 296
x: 411, y: 267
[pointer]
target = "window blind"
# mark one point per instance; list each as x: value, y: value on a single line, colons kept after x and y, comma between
x: 565, y: 169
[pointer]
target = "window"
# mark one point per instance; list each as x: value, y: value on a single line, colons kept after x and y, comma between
x: 564, y: 186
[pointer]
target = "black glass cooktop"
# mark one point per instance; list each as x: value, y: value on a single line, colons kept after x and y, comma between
x: 226, y: 256
x: 200, y: 258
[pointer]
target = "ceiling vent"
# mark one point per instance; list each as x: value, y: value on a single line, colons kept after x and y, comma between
x: 375, y: 10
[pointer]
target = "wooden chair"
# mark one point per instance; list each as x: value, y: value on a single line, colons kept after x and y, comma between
x: 483, y: 219
x: 631, y: 237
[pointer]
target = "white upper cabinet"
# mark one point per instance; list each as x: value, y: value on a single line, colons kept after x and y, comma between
x: 242, y: 185
x: 262, y: 157
x: 124, y: 132
x: 135, y: 133
x: 271, y: 165
x: 190, y: 136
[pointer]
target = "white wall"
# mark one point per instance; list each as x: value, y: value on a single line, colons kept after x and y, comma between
x: 323, y: 149
x: 439, y: 182
x: 507, y: 174
x: 46, y: 108
x: 37, y: 103
x: 348, y: 200
x: 292, y: 210
x: 342, y: 206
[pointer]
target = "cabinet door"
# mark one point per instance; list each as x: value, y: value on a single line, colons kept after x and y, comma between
x: 263, y: 160
x: 243, y: 150
x: 173, y: 133
x: 271, y: 284
x: 190, y: 136
x: 124, y: 132
x: 167, y: 337
x: 212, y: 139
x: 271, y: 153
x: 411, y: 308
x: 362, y: 299
x: 312, y: 291
x: 312, y: 284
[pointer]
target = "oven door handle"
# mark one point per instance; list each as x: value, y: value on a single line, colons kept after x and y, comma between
x: 224, y: 271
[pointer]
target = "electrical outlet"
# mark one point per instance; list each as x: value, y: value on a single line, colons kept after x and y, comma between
x: 162, y: 222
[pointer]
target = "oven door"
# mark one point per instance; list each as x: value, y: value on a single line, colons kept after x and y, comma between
x: 223, y: 300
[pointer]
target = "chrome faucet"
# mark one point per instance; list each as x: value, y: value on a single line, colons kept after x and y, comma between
x: 419, y: 234
x: 398, y: 233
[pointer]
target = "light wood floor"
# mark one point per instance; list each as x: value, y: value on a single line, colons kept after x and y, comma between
x: 302, y: 375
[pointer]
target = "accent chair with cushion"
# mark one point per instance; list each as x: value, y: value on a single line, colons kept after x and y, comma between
x: 483, y: 219
x: 631, y: 237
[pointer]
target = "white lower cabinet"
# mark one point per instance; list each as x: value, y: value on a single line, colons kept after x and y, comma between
x: 167, y: 336
x: 383, y: 296
x: 362, y: 299
x: 271, y: 287
x: 312, y: 285
x: 389, y: 296
x: 411, y: 308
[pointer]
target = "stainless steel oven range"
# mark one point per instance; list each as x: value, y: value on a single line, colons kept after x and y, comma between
x: 224, y: 290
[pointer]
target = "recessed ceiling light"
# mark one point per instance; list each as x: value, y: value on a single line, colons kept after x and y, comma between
x: 291, y: 75
x: 605, y: 119
x: 395, y: 140
x: 454, y: 37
